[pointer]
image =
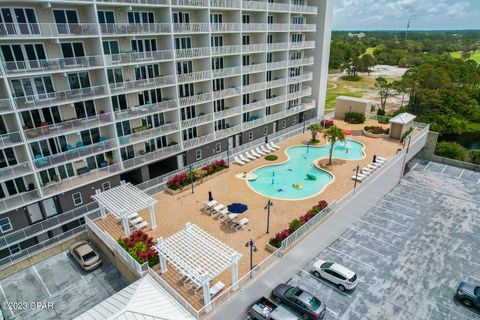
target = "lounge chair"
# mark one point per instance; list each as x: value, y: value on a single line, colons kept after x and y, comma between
x: 132, y: 215
x: 262, y: 153
x: 381, y: 159
x: 359, y: 178
x: 240, y: 224
x: 216, y: 288
x: 268, y: 147
x: 264, y: 149
x: 231, y: 217
x: 238, y: 161
x: 371, y: 167
x: 208, y: 205
x: 136, y: 220
x: 250, y: 155
x: 255, y: 154
x: 273, y: 145
x: 377, y: 164
x: 368, y: 170
x: 223, y: 214
x: 216, y: 210
x: 141, y: 225
x: 243, y: 158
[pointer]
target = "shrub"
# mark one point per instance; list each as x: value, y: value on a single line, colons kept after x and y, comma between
x: 271, y: 157
x: 474, y: 156
x: 451, y: 150
x: 376, y: 130
x: 354, y: 117
x: 326, y: 123
x: 275, y: 242
x: 182, y: 179
x: 294, y: 225
x: 139, y: 245
x: 351, y: 78
x: 381, y: 112
x: 323, y: 204
x: 383, y: 120
x: 178, y: 181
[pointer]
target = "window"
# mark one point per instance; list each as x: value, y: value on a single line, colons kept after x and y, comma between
x: 78, y: 80
x: 72, y: 50
x: 216, y: 41
x: 245, y: 39
x: 144, y: 45
x: 245, y: 18
x: 106, y: 186
x: 250, y: 135
x: 23, y: 56
x: 111, y: 47
x: 284, y: 123
x: 217, y: 63
x: 119, y: 102
x: 181, y: 17
x: 216, y: 18
x: 5, y: 225
x: 218, y: 147
x: 294, y: 120
x: 106, y: 16
x: 198, y: 154
x: 265, y: 131
x: 183, y: 43
x: 14, y: 249
x: 140, y: 17
x: 115, y: 75
x: 77, y: 199
x: 270, y: 19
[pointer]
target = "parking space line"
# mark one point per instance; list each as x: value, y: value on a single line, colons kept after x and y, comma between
x: 460, y: 176
x: 401, y: 205
x: 465, y: 309
x: 373, y: 225
x: 446, y: 166
x: 344, y: 254
x: 394, y: 195
x: 474, y: 278
x: 414, y: 186
x: 380, y: 217
x: 364, y: 234
x: 359, y: 245
x: 325, y: 282
x: 413, y: 194
x: 425, y: 168
x: 3, y: 293
x: 400, y: 214
x: 41, y: 281
x: 335, y: 313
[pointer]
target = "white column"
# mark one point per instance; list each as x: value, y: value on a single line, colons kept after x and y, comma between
x: 234, y: 267
x: 103, y: 212
x: 163, y: 261
x: 206, y: 293
x: 153, y: 220
x: 126, y: 227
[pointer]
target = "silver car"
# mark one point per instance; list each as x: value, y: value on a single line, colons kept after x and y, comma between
x: 85, y: 256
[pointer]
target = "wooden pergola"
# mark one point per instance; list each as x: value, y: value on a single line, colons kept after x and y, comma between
x: 124, y: 200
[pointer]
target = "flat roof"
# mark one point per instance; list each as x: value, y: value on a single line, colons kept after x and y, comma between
x: 403, y: 118
x: 354, y: 99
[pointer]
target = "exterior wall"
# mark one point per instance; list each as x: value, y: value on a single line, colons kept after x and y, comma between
x: 18, y: 218
x: 395, y: 130
x: 429, y: 148
x: 207, y: 150
x: 343, y: 106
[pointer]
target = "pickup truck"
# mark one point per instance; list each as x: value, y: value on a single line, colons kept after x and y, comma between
x: 265, y: 309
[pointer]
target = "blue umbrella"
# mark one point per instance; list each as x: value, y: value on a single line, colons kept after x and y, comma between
x: 237, y: 208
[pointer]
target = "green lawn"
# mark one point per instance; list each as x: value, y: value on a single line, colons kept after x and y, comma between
x: 475, y: 56
x: 355, y: 89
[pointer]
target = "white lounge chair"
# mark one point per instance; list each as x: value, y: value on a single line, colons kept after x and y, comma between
x: 367, y: 170
x: 268, y: 147
x: 141, y: 225
x: 216, y: 288
x: 371, y: 167
x: 223, y: 214
x: 377, y: 164
x: 250, y: 155
x: 240, y: 224
x: 231, y: 217
x: 272, y: 144
x: 136, y: 220
x: 257, y: 150
x: 209, y: 204
x: 132, y: 215
x: 238, y: 161
x: 255, y: 154
x: 264, y: 149
x: 241, y: 156
x: 382, y: 159
x: 216, y: 210
x: 359, y: 178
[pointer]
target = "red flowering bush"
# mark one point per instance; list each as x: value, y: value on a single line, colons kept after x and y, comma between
x: 178, y: 181
x: 326, y: 123
x: 140, y: 246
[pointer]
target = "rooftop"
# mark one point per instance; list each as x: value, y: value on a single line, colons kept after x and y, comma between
x: 403, y: 118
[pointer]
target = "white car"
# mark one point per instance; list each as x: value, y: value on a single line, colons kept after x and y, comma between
x: 344, y: 278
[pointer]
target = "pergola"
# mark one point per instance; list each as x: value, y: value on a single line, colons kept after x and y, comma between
x: 198, y: 256
x: 123, y: 201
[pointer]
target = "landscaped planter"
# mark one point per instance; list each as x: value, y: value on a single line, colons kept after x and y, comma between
x: 270, y: 248
x: 196, y: 183
x: 373, y: 135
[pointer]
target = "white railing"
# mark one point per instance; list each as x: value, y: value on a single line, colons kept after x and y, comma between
x: 152, y: 156
x: 299, y: 94
x: 304, y: 9
x: 196, y: 99
x: 254, y: 67
x: 226, y: 72
x: 14, y: 171
x: 283, y: 7
x: 194, y: 76
x: 276, y: 83
x: 226, y: 50
x: 227, y: 4
x: 254, y: 5
x: 150, y: 2
x: 254, y: 106
x: 277, y: 65
x: 226, y: 93
x: 68, y: 126
x: 303, y: 77
x: 254, y: 47
x: 274, y: 100
x: 60, y: 97
x: 21, y: 199
x: 135, y: 28
x: 254, y: 27
x: 277, y: 46
x: 188, y: 144
x: 47, y: 30
x: 302, y: 45
x: 192, y: 53
x: 228, y: 112
x: 278, y: 27
x: 25, y: 67
x: 227, y: 132
x: 149, y: 133
x: 142, y: 84
x: 190, y: 27
x: 134, y: 57
x: 10, y: 139
x: 254, y: 87
x: 253, y: 123
x: 103, y: 146
x: 225, y: 27
x: 190, y: 3
x: 275, y: 116
x: 197, y: 121
x: 303, y: 27
x: 140, y: 111
x: 5, y: 105
x: 299, y: 62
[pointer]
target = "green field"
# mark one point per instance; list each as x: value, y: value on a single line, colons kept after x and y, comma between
x: 356, y: 89
x: 475, y: 56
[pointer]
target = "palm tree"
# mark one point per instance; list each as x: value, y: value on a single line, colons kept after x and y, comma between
x: 333, y: 135
x: 314, y: 128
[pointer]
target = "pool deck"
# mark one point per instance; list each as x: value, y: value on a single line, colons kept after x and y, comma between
x: 174, y: 211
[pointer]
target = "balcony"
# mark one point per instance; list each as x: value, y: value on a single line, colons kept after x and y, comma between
x: 255, y: 105
x: 191, y: 27
x: 74, y: 182
x: 282, y: 27
x: 300, y: 62
x: 304, y: 9
x: 280, y: 7
x: 15, y: 171
x: 254, y: 68
x: 254, y: 5
x: 254, y: 27
x: 228, y: 112
x: 135, y: 57
x: 194, y: 76
x: 303, y: 27
x: 142, y: 84
x: 299, y: 94
x: 197, y: 121
x: 190, y: 3
x: 224, y: 50
x: 250, y: 48
x: 47, y: 30
x: 275, y: 116
x: 67, y: 127
x: 152, y: 156
x: 275, y: 100
x: 277, y: 46
x: 192, y: 143
x: 230, y: 92
x: 130, y: 2
x: 277, y: 65
x: 303, y: 77
x: 225, y: 27
x: 254, y: 87
x: 10, y: 139
x: 253, y: 123
x: 134, y: 28
x: 196, y: 99
x: 277, y: 83
x: 226, y: 72
x: 149, y: 133
x: 91, y: 149
x: 50, y: 65
x: 140, y: 111
x: 19, y: 200
x: 192, y: 53
x: 60, y: 97
x: 228, y: 132
x: 5, y: 106
x: 226, y: 4
x: 302, y: 45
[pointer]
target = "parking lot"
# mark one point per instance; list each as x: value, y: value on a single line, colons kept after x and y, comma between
x: 410, y: 251
x: 61, y: 281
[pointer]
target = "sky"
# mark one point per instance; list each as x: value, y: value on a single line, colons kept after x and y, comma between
x: 394, y: 14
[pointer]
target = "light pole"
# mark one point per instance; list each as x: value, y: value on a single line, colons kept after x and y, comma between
x: 267, y: 207
x: 356, y: 177
x: 252, y: 248
x: 191, y: 177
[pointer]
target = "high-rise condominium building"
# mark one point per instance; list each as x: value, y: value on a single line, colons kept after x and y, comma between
x: 93, y: 92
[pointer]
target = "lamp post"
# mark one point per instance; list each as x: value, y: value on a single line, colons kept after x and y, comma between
x: 191, y: 177
x: 252, y: 248
x: 356, y: 177
x: 267, y: 207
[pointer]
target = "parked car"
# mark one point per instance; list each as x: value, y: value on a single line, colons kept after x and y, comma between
x: 85, y: 256
x: 265, y: 309
x: 342, y: 277
x: 468, y: 294
x: 300, y: 300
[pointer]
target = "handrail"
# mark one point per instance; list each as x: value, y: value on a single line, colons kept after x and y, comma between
x: 14, y: 171
x: 135, y: 28
x: 47, y: 30
x: 149, y: 133
x: 142, y: 84
x: 133, y: 57
x: 139, y: 111
x: 9, y: 139
x: 152, y: 156
x: 32, y: 66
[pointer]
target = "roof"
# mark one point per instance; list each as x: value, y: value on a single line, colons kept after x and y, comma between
x: 144, y: 299
x: 84, y: 249
x: 354, y: 99
x: 403, y: 118
x: 124, y: 199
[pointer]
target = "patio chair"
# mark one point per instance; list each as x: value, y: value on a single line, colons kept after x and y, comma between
x: 371, y: 167
x: 216, y: 210
x: 377, y: 164
x: 381, y: 159
x: 240, y: 224
x: 257, y: 150
x: 367, y: 170
x: 238, y: 161
x: 141, y: 225
x: 360, y: 178
x: 249, y: 156
x: 268, y: 147
x: 264, y: 149
x: 223, y: 214
x: 273, y: 145
x: 209, y: 205
x: 216, y: 288
x: 255, y: 154
x: 231, y: 217
x: 243, y: 158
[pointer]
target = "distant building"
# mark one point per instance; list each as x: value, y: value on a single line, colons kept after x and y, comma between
x: 358, y: 35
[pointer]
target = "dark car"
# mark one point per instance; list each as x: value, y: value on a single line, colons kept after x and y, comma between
x: 302, y: 301
x: 468, y: 294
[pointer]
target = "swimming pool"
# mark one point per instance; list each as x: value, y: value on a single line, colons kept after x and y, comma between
x: 277, y: 181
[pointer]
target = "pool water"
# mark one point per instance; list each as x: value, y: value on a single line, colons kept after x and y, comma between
x: 276, y: 181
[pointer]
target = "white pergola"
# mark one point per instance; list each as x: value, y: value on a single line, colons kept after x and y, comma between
x: 123, y: 201
x: 198, y: 256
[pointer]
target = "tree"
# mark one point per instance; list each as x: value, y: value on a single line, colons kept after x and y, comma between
x: 333, y: 135
x: 352, y: 68
x: 451, y: 150
x: 367, y: 61
x: 385, y: 90
x: 474, y: 156
x: 466, y: 55
x: 314, y: 128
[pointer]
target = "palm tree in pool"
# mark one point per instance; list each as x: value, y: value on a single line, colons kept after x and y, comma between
x: 333, y: 135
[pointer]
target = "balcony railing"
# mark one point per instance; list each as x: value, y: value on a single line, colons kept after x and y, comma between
x: 226, y: 50
x: 103, y: 146
x: 278, y: 26
x: 196, y: 99
x: 303, y: 27
x: 302, y: 45
x: 225, y: 27
x: 197, y: 121
x: 36, y: 66
x: 191, y: 27
x: 276, y: 83
x: 227, y: 4
x: 77, y: 181
x: 254, y: 48
x: 299, y: 62
x: 194, y: 76
x: 283, y: 7
x: 254, y: 5
x: 277, y: 65
x: 152, y: 156
x: 249, y: 27
x: 150, y: 2
x: 198, y: 141
x: 142, y: 84
x: 299, y: 94
x: 190, y: 3
x: 5, y: 105
x: 134, y: 57
x: 254, y: 68
x: 253, y: 123
x: 228, y: 112
x: 277, y: 46
x: 60, y: 97
x: 275, y: 100
x: 134, y: 28
x: 67, y: 127
x: 254, y: 106
x: 15, y: 171
x: 144, y: 110
x: 18, y: 200
x: 228, y: 132
x: 149, y: 133
x: 9, y: 139
x: 254, y: 87
x: 47, y: 30
x: 304, y: 9
x: 275, y: 116
x: 304, y: 77
x: 226, y: 72
x: 192, y: 53
x: 226, y: 93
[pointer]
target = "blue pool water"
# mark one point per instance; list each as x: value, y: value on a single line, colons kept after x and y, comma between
x: 277, y: 181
